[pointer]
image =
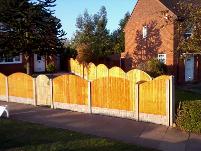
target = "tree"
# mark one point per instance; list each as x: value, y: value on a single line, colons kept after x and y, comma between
x: 189, y: 27
x: 29, y: 27
x: 117, y: 37
x: 92, y: 39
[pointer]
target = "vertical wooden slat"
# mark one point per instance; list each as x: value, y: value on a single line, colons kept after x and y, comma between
x: 92, y: 75
x: 89, y: 97
x: 136, y: 104
x: 172, y: 101
x: 51, y: 94
x: 7, y: 90
x: 34, y: 92
x: 168, y: 101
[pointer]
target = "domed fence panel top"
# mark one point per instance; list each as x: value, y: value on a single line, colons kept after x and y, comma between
x: 117, y: 72
x: 21, y: 85
x: 102, y: 71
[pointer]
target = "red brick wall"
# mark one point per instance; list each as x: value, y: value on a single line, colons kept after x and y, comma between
x: 160, y: 35
x: 8, y: 69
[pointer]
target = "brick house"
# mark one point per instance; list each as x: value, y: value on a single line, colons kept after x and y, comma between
x: 148, y: 35
x: 38, y: 63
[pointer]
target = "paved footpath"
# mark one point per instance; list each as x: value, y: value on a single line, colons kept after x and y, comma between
x: 139, y: 133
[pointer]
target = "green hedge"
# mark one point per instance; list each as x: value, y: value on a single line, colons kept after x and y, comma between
x: 189, y: 116
x: 51, y: 68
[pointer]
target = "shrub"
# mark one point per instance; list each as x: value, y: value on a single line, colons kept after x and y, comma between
x: 51, y: 68
x: 189, y: 116
x: 153, y: 67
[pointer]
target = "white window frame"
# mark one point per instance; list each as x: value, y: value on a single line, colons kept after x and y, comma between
x: 144, y: 32
x: 13, y: 62
x: 162, y: 58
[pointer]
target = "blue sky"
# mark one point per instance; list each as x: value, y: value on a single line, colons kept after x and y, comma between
x: 68, y: 11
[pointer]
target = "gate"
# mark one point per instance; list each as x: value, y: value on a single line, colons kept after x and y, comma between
x: 43, y: 90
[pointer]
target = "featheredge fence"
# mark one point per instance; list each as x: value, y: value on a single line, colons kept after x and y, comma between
x: 140, y: 98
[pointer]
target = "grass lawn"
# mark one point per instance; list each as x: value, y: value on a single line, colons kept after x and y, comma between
x: 183, y: 95
x: 21, y: 136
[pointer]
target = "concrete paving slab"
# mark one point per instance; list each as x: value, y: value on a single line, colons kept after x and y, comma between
x: 174, y: 140
x: 152, y: 136
x: 194, y: 143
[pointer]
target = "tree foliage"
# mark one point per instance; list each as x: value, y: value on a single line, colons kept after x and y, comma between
x: 92, y: 38
x: 118, y: 39
x: 153, y: 67
x: 189, y: 27
x: 29, y: 27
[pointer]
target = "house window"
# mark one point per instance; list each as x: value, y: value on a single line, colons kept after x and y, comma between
x: 144, y: 32
x: 162, y: 58
x: 39, y: 58
x: 189, y: 32
x: 11, y: 60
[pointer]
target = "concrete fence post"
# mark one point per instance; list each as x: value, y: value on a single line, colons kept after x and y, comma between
x: 7, y: 90
x: 172, y: 101
x: 51, y: 93
x: 34, y: 92
x: 89, y: 97
x: 168, y: 102
x: 136, y: 102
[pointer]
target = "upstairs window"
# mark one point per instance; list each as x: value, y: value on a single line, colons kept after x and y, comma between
x: 11, y: 60
x: 144, y: 32
x: 162, y: 58
x: 189, y: 32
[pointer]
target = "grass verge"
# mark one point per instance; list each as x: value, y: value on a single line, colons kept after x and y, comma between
x: 22, y: 136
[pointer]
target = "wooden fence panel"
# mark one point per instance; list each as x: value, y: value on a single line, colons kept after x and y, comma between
x: 72, y: 65
x: 102, y: 71
x: 117, y: 72
x: 2, y: 85
x: 112, y: 93
x: 82, y: 70
x: 86, y: 72
x: 43, y: 90
x: 136, y: 75
x: 153, y: 96
x: 77, y: 67
x: 70, y: 89
x: 21, y: 85
x: 91, y: 72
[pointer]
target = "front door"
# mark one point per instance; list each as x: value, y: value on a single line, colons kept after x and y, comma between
x: 43, y: 90
x: 189, y: 69
x: 39, y: 63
